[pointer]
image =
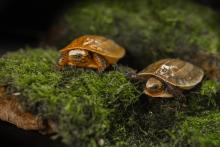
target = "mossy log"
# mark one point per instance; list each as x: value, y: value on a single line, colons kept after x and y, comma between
x: 91, y: 109
x: 76, y: 103
x: 88, y: 108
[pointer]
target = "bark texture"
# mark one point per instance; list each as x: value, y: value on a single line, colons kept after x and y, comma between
x: 11, y: 111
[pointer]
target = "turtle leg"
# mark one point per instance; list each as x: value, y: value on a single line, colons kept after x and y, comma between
x: 100, y: 61
x: 132, y: 75
x: 60, y: 64
x: 134, y: 78
x: 62, y: 61
x: 178, y: 94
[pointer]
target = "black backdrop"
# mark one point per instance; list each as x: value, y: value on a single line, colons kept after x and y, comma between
x: 22, y: 22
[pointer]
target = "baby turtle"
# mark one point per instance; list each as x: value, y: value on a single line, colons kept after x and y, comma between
x: 91, y: 51
x: 169, y: 77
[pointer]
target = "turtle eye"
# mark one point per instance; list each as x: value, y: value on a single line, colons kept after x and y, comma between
x: 78, y: 56
x: 155, y: 87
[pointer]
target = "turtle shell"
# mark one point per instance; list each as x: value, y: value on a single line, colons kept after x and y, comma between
x: 175, y: 71
x: 98, y: 44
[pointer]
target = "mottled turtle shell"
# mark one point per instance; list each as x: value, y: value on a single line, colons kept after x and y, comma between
x: 98, y: 44
x: 176, y: 72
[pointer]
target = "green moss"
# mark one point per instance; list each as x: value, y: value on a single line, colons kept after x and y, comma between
x: 90, y: 108
x: 80, y: 101
x: 201, y: 130
x: 144, y: 124
x: 204, y: 97
x: 210, y: 88
x: 147, y: 29
x: 149, y: 122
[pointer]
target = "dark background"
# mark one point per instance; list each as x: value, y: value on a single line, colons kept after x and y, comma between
x: 24, y: 23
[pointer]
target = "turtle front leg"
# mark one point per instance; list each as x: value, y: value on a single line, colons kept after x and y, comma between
x: 100, y: 61
x: 60, y: 65
x: 177, y: 93
x: 62, y: 61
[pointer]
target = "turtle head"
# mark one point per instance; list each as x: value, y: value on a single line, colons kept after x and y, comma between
x: 155, y: 88
x: 78, y: 55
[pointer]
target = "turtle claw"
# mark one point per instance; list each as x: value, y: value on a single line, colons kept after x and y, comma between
x: 59, y: 67
x: 131, y: 75
x: 100, y: 70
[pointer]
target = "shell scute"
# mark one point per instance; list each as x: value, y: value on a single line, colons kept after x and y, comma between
x: 98, y: 44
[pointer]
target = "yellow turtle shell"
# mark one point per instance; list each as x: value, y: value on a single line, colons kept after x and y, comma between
x: 98, y: 44
x: 174, y: 71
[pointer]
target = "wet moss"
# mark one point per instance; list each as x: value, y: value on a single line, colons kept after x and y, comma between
x: 79, y: 101
x: 149, y: 30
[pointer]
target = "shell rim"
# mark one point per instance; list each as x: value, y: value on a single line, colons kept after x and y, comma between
x: 180, y: 86
x: 101, y: 53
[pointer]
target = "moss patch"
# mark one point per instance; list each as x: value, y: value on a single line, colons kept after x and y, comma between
x: 92, y: 109
x: 80, y: 101
x: 206, y: 97
x: 152, y: 122
x: 149, y: 30
x: 203, y: 130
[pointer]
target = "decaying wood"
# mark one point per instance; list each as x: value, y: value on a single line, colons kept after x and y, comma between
x: 11, y: 111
